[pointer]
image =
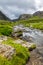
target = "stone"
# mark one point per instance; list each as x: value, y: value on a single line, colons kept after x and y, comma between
x: 25, y: 44
x: 19, y: 41
x: 3, y: 38
x: 40, y: 50
x: 6, y: 51
x: 17, y: 31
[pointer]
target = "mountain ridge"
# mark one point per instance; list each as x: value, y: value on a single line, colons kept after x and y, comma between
x: 3, y: 16
x: 22, y: 16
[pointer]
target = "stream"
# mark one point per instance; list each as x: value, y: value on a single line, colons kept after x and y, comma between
x: 35, y: 36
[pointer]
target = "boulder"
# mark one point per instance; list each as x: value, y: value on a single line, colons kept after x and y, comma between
x: 6, y: 51
x: 3, y: 38
x: 17, y: 31
x: 30, y: 46
x: 40, y: 50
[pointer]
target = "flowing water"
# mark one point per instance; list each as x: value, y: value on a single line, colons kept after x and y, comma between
x: 37, y: 54
x: 36, y: 36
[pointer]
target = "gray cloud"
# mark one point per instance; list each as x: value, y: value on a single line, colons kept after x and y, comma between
x: 13, y: 8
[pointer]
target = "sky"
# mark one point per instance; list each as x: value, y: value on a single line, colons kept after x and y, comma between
x: 14, y: 8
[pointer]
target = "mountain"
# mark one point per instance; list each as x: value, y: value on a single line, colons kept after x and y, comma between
x: 22, y: 16
x: 38, y: 13
x: 3, y: 16
x: 25, y: 16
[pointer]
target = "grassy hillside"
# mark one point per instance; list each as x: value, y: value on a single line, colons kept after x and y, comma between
x: 6, y: 27
x: 34, y: 22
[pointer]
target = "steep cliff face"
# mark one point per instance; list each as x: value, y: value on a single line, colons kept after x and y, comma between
x: 3, y: 16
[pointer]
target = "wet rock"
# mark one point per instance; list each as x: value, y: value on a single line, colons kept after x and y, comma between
x: 6, y: 51
x: 17, y: 31
x: 18, y: 28
x: 17, y: 34
x: 29, y: 39
x: 35, y: 58
x: 40, y: 50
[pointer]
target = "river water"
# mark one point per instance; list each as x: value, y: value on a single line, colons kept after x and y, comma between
x: 37, y: 54
x: 35, y: 35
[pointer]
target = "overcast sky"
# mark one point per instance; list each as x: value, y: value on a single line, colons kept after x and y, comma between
x: 13, y: 8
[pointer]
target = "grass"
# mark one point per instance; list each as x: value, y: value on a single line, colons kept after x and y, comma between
x: 34, y: 22
x: 22, y: 54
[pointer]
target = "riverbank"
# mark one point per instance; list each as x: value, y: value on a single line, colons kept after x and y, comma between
x: 14, y: 51
x: 36, y: 56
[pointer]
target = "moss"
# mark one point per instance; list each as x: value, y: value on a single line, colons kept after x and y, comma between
x: 22, y: 54
x: 32, y: 47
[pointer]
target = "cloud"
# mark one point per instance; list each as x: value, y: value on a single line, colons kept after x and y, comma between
x: 39, y: 5
x: 13, y: 8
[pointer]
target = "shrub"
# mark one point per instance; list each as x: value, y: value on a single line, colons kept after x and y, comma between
x: 5, y: 30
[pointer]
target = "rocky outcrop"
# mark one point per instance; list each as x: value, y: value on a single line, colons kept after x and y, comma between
x: 6, y: 51
x: 22, y: 32
x: 38, y: 13
x: 25, y: 16
x: 17, y: 31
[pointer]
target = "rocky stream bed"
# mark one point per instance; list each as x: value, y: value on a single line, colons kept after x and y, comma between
x: 27, y: 38
x: 35, y: 36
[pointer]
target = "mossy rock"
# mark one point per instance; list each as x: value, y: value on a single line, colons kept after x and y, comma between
x: 32, y: 47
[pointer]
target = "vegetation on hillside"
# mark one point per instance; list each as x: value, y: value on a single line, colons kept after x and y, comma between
x: 33, y: 22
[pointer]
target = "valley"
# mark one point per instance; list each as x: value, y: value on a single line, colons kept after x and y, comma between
x: 21, y: 41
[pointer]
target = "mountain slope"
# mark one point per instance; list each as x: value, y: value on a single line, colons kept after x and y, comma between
x: 3, y: 16
x: 25, y: 16
x: 38, y: 13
